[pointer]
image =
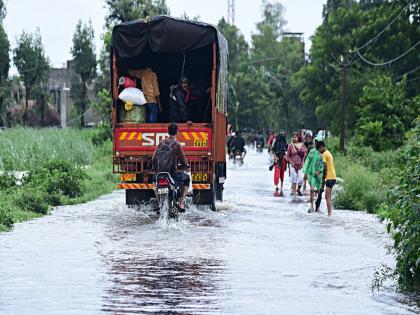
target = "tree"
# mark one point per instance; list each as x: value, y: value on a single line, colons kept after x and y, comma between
x: 102, y: 106
x: 385, y: 113
x: 84, y: 66
x: 128, y: 10
x: 32, y: 64
x: 238, y: 61
x: 4, y: 62
x: 280, y: 57
x: 238, y: 47
x: 266, y: 41
x: 347, y: 25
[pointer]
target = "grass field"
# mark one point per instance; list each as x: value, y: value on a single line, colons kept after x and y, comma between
x: 63, y: 167
x: 22, y: 148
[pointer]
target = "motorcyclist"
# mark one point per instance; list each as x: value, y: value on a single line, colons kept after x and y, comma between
x: 259, y: 139
x: 238, y: 144
x: 178, y: 164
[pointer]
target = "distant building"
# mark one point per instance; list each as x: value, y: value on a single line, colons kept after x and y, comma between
x: 60, y: 87
x: 296, y: 36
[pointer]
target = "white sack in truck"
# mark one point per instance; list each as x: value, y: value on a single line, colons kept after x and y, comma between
x: 133, y: 95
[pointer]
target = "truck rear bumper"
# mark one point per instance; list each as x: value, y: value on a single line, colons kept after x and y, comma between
x: 151, y: 186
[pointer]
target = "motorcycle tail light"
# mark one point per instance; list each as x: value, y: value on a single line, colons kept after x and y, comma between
x: 163, y: 182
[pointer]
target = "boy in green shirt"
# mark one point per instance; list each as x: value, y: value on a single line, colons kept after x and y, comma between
x: 313, y: 169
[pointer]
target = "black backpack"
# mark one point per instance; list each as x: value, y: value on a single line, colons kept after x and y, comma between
x: 165, y: 157
x: 278, y: 149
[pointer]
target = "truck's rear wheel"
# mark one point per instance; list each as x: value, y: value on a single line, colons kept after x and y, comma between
x: 205, y: 197
x: 138, y: 196
x: 219, y: 192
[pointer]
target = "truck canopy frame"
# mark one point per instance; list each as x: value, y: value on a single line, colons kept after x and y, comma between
x: 146, y: 42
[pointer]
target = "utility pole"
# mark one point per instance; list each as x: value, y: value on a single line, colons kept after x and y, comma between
x: 344, y: 64
x: 231, y: 12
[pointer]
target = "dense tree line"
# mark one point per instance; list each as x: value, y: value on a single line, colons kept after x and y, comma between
x: 363, y: 35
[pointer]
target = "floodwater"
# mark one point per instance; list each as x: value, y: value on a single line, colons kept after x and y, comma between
x: 257, y: 254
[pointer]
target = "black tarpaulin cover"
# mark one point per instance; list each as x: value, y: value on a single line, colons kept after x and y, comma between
x: 162, y: 34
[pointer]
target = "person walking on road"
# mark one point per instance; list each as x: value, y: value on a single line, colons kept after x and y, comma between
x: 279, y: 149
x: 313, y: 170
x: 271, y: 140
x: 309, y: 145
x: 329, y: 177
x: 296, y: 153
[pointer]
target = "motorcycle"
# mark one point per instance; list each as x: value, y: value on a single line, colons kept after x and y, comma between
x: 169, y: 193
x: 238, y: 155
x: 260, y: 146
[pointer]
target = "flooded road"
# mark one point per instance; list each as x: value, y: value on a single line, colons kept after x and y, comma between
x: 256, y: 255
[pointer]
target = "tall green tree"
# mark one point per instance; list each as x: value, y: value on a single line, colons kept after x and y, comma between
x: 266, y: 40
x: 119, y: 11
x: 4, y: 63
x: 348, y: 25
x: 84, y: 66
x: 129, y: 10
x: 385, y: 113
x: 32, y: 64
x: 280, y: 57
x: 238, y: 62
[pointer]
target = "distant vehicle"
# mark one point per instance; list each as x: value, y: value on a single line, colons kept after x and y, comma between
x: 172, y: 48
x: 322, y: 133
x: 238, y: 155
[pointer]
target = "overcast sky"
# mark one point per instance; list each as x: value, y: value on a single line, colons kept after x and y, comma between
x: 57, y: 19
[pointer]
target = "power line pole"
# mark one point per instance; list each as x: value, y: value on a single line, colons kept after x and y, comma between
x: 344, y: 99
x: 231, y: 12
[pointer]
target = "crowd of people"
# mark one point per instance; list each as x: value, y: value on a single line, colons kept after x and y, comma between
x: 309, y: 163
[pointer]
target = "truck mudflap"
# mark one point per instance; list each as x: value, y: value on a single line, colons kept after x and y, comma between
x: 147, y: 138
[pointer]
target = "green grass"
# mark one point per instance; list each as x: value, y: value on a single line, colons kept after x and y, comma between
x: 64, y: 168
x: 367, y: 176
x: 23, y: 148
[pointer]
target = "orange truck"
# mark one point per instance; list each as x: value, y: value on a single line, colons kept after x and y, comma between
x: 174, y: 49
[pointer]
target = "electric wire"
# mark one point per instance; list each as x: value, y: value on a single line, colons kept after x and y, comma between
x: 389, y: 61
x: 383, y: 30
x: 408, y: 73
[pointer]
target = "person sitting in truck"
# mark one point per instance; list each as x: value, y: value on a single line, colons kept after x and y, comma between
x: 179, y: 98
x: 179, y: 163
x: 150, y: 89
x: 198, y: 101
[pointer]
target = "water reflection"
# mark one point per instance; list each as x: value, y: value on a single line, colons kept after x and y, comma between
x: 161, y: 284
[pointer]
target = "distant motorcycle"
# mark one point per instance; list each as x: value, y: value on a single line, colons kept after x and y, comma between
x: 238, y: 155
x: 260, y: 146
x: 169, y: 193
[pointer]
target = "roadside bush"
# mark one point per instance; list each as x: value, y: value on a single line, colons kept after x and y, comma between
x: 101, y: 135
x: 6, y: 220
x: 360, y: 189
x: 7, y: 181
x: 31, y: 200
x: 58, y: 177
x: 403, y: 210
x: 372, y: 159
